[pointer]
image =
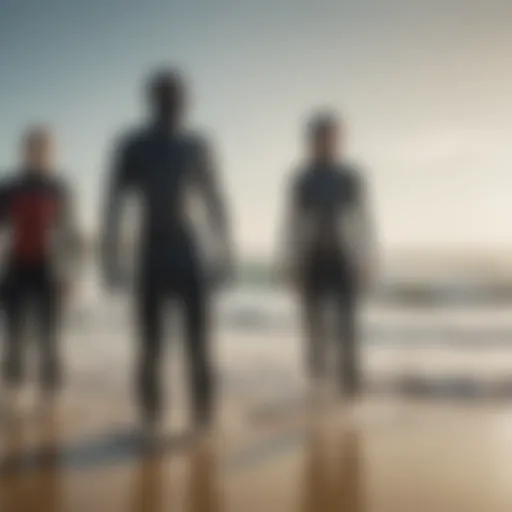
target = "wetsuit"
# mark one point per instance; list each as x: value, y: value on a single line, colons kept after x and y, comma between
x: 325, y: 251
x: 163, y: 169
x: 35, y: 214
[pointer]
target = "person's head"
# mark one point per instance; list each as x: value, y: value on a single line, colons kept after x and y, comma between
x: 38, y: 149
x: 325, y: 133
x: 167, y: 96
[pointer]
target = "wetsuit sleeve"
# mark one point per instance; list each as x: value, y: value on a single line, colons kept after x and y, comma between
x: 5, y: 199
x: 119, y: 181
x: 289, y: 239
x: 211, y: 191
x: 364, y: 239
x: 4, y: 202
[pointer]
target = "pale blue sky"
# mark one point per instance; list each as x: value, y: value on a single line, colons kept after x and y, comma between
x: 426, y: 87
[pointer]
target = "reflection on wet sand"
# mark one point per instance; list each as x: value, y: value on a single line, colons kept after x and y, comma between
x: 47, y: 484
x: 149, y: 484
x: 201, y: 493
x: 349, y: 473
x: 12, y: 476
x: 333, y: 471
x: 203, y: 486
x: 33, y: 481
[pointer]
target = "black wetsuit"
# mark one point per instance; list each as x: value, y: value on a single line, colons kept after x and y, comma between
x: 321, y: 197
x: 161, y: 168
x: 32, y: 208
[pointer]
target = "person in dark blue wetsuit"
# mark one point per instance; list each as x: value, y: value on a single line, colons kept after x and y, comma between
x: 40, y: 258
x: 163, y: 165
x: 329, y: 248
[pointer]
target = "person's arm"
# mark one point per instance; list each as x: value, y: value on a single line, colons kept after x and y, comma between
x: 214, y: 199
x: 119, y: 183
x: 290, y: 237
x: 364, y: 236
x: 5, y: 198
x: 4, y: 201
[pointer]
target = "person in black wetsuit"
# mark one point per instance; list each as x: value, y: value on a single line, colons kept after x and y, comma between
x: 163, y: 165
x: 41, y: 237
x: 329, y: 251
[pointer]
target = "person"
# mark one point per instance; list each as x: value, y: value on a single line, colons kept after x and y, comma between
x: 163, y: 165
x: 41, y: 247
x: 328, y: 248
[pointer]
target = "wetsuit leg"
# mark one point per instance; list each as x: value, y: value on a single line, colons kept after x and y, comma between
x: 14, y: 308
x: 195, y: 305
x: 347, y: 338
x: 48, y: 315
x: 313, y: 322
x: 150, y: 302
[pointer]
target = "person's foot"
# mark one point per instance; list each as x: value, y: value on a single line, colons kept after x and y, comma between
x: 351, y: 389
x: 150, y: 432
x: 203, y: 421
x: 51, y: 382
x: 317, y: 392
x: 12, y: 400
x: 48, y: 400
x: 150, y: 418
x: 50, y: 390
x: 5, y: 405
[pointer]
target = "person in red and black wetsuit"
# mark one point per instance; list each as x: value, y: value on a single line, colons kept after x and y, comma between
x: 35, y: 213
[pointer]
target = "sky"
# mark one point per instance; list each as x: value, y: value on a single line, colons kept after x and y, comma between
x: 425, y: 88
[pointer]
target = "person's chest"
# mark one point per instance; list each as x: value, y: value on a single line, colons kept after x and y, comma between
x: 326, y: 192
x: 35, y: 207
x: 164, y: 165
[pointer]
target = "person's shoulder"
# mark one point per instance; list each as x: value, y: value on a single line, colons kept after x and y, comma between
x: 198, y: 145
x: 57, y: 184
x: 352, y: 172
x: 351, y: 168
x: 6, y: 192
x: 8, y: 177
x: 132, y: 138
x: 10, y: 181
x: 300, y: 175
x: 196, y: 140
x: 61, y: 181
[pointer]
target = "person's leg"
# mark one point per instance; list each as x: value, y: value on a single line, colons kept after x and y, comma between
x: 47, y: 304
x: 149, y: 316
x: 348, y: 342
x: 12, y: 361
x: 195, y: 303
x: 314, y: 332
